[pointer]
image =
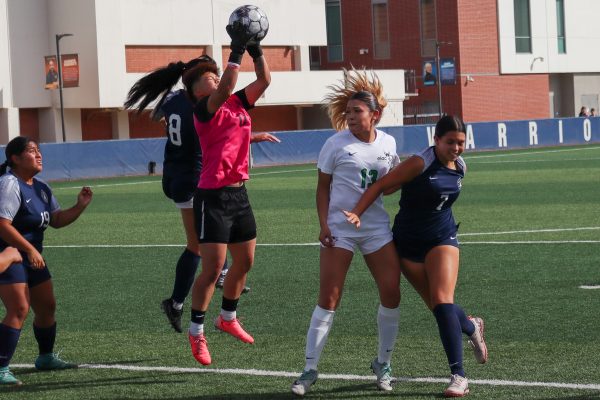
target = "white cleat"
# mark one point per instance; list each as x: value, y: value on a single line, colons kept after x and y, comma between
x: 384, y: 375
x: 477, y: 341
x: 459, y: 387
x: 302, y: 385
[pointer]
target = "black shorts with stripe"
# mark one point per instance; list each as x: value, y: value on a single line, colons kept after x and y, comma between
x: 224, y: 215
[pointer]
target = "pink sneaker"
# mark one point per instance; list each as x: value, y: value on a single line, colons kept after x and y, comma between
x: 234, y: 328
x: 200, y: 349
x: 477, y: 340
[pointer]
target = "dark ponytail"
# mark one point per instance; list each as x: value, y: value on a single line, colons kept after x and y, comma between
x: 449, y: 123
x: 14, y: 148
x: 161, y: 81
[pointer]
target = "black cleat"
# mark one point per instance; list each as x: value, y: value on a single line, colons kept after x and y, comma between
x: 219, y: 284
x: 173, y: 315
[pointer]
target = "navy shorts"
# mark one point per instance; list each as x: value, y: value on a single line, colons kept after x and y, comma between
x: 23, y: 273
x: 416, y: 250
x: 224, y: 215
x: 179, y: 188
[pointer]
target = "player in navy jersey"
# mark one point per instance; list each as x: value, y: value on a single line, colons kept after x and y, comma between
x: 181, y: 171
x: 223, y: 216
x: 349, y: 162
x: 425, y: 234
x: 27, y: 207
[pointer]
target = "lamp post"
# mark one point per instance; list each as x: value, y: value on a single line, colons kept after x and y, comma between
x: 60, y: 82
x: 439, y: 73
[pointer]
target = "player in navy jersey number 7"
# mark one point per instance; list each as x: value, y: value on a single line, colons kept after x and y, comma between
x: 425, y: 234
x: 27, y: 207
x: 181, y: 169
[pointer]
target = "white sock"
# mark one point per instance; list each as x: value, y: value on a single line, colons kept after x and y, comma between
x: 196, y: 329
x: 228, y: 315
x: 320, y: 324
x: 387, y: 324
x: 176, y: 305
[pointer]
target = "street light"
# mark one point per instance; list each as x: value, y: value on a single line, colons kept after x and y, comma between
x: 60, y: 82
x: 439, y: 73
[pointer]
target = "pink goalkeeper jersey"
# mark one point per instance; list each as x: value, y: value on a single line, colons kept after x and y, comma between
x: 225, y: 141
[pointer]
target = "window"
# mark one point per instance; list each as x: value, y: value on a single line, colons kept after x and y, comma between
x: 333, y: 17
x: 381, y: 33
x: 314, y: 53
x: 428, y: 28
x: 522, y: 26
x: 560, y: 26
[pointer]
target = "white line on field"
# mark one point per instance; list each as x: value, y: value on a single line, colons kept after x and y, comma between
x: 342, y: 377
x: 587, y: 228
x: 592, y: 287
x: 467, y: 157
x: 531, y: 161
x: 126, y: 246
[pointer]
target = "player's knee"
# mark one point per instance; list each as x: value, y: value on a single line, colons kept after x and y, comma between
x: 18, y: 312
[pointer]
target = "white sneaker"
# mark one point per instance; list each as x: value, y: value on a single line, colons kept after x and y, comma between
x: 459, y: 387
x: 304, y: 382
x: 384, y: 375
x: 477, y: 341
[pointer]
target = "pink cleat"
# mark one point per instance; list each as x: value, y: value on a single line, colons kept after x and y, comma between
x: 200, y: 349
x: 234, y: 328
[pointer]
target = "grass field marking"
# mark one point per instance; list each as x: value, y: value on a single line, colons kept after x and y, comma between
x: 530, y: 153
x: 132, y: 246
x: 531, y: 161
x: 591, y: 287
x: 342, y: 377
x: 587, y: 228
x: 107, y: 185
x: 282, y: 172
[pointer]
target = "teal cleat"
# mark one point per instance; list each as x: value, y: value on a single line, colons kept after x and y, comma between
x: 7, y: 378
x: 384, y: 375
x: 51, y: 361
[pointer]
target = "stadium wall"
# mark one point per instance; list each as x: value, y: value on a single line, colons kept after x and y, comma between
x: 108, y: 158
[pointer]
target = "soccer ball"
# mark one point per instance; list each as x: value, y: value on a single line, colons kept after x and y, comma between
x: 253, y: 18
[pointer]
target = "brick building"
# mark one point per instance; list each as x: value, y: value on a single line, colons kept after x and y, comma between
x: 513, y: 59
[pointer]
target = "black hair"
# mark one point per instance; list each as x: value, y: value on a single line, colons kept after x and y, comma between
x: 368, y: 98
x: 449, y: 123
x: 161, y: 81
x: 15, y: 147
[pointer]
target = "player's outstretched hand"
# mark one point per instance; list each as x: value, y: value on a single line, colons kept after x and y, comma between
x: 352, y: 218
x: 239, y: 37
x: 265, y: 137
x: 85, y: 196
x: 35, y: 259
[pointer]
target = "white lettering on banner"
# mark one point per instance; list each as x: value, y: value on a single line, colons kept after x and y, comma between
x: 470, y: 139
x: 502, y: 135
x: 430, y: 133
x: 533, y: 138
x: 587, y: 130
x: 560, y: 131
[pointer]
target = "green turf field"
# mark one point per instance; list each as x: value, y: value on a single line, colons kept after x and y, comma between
x: 530, y: 228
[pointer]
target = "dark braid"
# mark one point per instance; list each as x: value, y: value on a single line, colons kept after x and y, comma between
x: 14, y: 148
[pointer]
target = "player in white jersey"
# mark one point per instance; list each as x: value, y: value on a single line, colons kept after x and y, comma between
x: 349, y: 162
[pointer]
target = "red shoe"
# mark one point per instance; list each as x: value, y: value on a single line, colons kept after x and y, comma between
x: 200, y: 349
x: 234, y: 328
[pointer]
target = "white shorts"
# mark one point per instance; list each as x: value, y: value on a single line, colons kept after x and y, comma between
x: 366, y: 245
x: 186, y: 204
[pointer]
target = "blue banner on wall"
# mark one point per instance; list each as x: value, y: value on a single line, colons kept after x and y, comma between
x: 110, y: 158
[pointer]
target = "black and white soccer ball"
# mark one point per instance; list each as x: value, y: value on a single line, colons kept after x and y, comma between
x: 253, y: 18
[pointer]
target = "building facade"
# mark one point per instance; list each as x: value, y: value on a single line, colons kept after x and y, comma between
x: 117, y: 42
x: 512, y: 59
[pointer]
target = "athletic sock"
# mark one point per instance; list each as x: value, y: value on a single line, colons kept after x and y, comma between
x: 228, y: 308
x: 45, y: 338
x: 9, y: 337
x: 387, y: 324
x: 185, y: 273
x: 467, y: 327
x: 197, y: 323
x: 451, y: 336
x: 316, y: 337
